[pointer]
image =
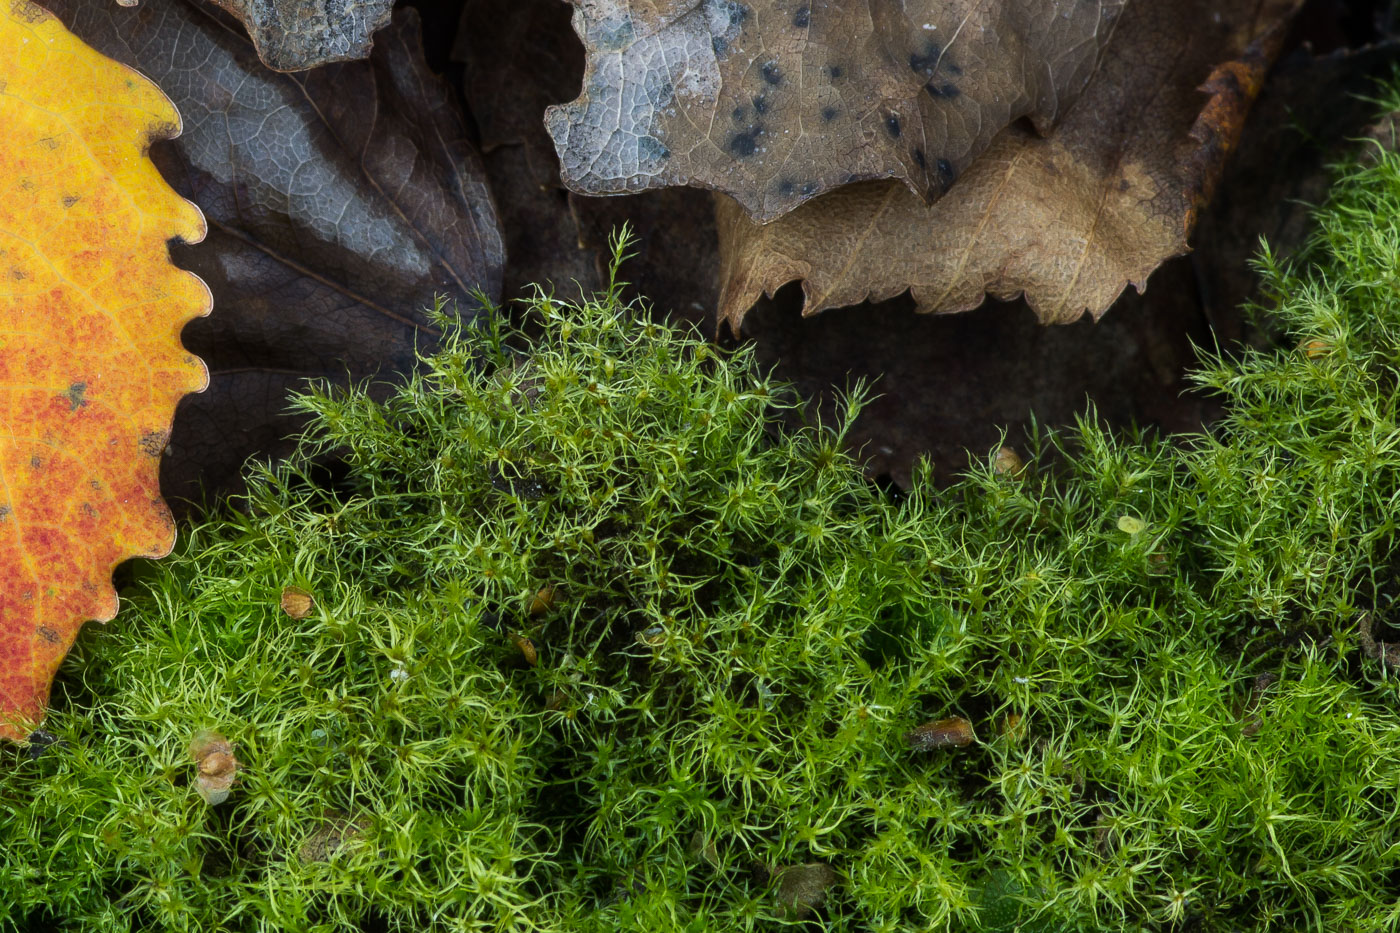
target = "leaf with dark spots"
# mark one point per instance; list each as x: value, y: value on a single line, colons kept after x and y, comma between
x: 664, y: 79
x: 340, y: 202
x: 1068, y: 219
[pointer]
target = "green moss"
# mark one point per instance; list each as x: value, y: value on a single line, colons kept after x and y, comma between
x: 1176, y: 720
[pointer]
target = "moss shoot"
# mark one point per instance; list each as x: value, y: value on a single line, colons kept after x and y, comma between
x: 576, y: 633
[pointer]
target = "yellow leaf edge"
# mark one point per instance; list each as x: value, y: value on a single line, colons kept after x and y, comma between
x: 24, y: 692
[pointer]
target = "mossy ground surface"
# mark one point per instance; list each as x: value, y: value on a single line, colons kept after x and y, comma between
x: 1157, y: 646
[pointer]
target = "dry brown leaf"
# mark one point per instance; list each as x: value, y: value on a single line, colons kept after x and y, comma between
x: 953, y: 387
x: 1069, y: 219
x: 216, y: 766
x: 776, y: 102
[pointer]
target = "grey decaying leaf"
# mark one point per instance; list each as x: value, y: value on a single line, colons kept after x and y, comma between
x: 775, y: 102
x: 294, y: 35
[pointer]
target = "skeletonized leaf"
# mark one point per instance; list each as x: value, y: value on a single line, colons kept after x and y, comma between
x: 91, y: 364
x: 294, y: 35
x: 1069, y: 219
x: 777, y: 101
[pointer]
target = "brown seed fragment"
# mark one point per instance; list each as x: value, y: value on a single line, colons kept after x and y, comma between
x: 1008, y: 463
x: 526, y: 646
x: 1315, y: 349
x: 216, y: 767
x: 543, y: 600
x: 942, y: 733
x: 653, y: 637
x: 802, y: 888
x: 1254, y: 720
x: 1388, y: 654
x: 703, y: 847
x: 339, y: 831
x: 296, y: 602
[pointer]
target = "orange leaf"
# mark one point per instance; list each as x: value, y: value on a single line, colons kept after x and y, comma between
x: 91, y: 364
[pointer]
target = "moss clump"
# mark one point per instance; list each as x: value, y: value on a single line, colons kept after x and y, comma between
x: 598, y: 645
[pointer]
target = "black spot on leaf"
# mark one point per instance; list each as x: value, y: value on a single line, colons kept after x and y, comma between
x: 746, y: 143
x: 892, y: 125
x: 919, y: 158
x: 760, y: 104
x: 829, y: 114
x: 946, y: 173
x: 926, y: 62
x: 803, y: 17
x: 936, y: 90
x: 771, y: 74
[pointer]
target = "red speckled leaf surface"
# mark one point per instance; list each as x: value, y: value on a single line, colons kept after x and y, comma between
x: 91, y: 364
